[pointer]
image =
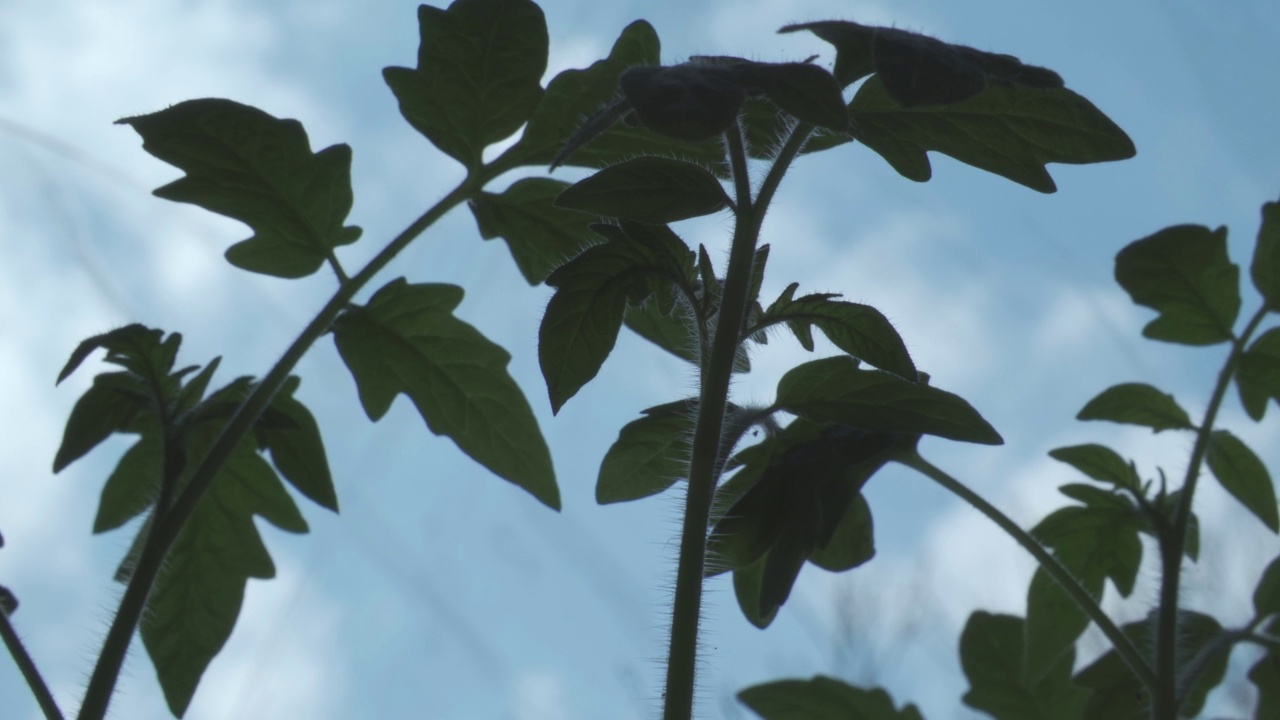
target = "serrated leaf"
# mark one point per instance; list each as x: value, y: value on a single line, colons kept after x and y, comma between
x: 991, y: 653
x: 258, y: 169
x: 1266, y: 597
x: 1117, y: 694
x: 822, y: 698
x: 1009, y: 130
x: 407, y: 340
x: 648, y: 189
x: 836, y: 390
x: 1258, y: 374
x: 860, y: 330
x: 478, y: 79
x: 1183, y: 272
x: 1137, y: 404
x: 197, y: 596
x: 1100, y: 463
x: 540, y: 235
x: 650, y: 455
x: 1265, y: 268
x: 1242, y: 474
x: 297, y: 450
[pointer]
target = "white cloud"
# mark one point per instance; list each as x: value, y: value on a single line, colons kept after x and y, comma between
x: 539, y: 695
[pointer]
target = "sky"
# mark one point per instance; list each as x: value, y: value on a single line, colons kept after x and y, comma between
x: 443, y: 592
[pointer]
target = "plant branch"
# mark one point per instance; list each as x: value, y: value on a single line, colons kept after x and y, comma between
x: 1121, y: 642
x: 170, y: 525
x: 28, y: 668
x: 338, y: 270
x: 1165, y: 701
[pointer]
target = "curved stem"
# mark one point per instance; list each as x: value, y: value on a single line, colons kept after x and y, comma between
x: 1165, y: 702
x: 27, y: 667
x: 167, y: 527
x: 1123, y: 645
x: 705, y: 462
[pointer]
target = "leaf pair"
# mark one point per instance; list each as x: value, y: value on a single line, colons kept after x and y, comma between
x: 196, y: 599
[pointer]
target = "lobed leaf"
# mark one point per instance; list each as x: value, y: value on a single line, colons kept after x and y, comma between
x: 407, y: 340
x: 822, y: 698
x: 1100, y: 463
x: 991, y: 653
x: 648, y: 189
x: 1183, y: 273
x: 1258, y: 374
x: 540, y: 235
x: 835, y: 390
x: 258, y: 169
x: 479, y: 73
x: 1096, y: 542
x: 296, y: 448
x: 1265, y: 268
x: 1242, y: 474
x: 1137, y: 404
x: 860, y: 330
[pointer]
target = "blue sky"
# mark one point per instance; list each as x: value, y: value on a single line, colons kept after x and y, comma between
x: 442, y: 592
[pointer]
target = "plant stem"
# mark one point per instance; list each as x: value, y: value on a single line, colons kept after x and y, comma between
x: 29, y: 671
x: 1123, y: 645
x: 1166, y: 701
x: 716, y: 372
x: 169, y: 526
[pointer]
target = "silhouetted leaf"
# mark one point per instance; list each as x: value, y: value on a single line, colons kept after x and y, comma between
x: 1100, y: 463
x: 1054, y: 623
x: 1265, y: 267
x: 1258, y: 374
x: 1265, y: 675
x: 1243, y: 475
x: 991, y: 648
x: 693, y: 102
x: 540, y: 235
x: 822, y: 698
x: 1183, y: 273
x: 804, y: 91
x: 853, y: 542
x: 746, y: 588
x: 8, y: 601
x: 1096, y: 542
x: 650, y: 455
x: 298, y: 451
x: 133, y: 485
x: 197, y: 596
x: 648, y: 189
x: 835, y: 390
x: 1137, y: 404
x: 407, y: 340
x: 1117, y: 694
x: 860, y: 330
x: 258, y: 169
x: 479, y: 73
x: 1266, y: 597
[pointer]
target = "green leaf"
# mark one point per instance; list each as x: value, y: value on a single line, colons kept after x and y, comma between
x: 298, y: 451
x: 1265, y: 675
x: 1100, y: 463
x: 132, y: 487
x: 1183, y: 273
x: 853, y: 543
x: 1096, y: 542
x: 100, y: 411
x: 1137, y: 404
x: 747, y: 583
x: 258, y: 169
x: 650, y: 454
x: 853, y: 43
x: 197, y: 596
x: 835, y: 390
x: 674, y: 333
x: 648, y: 189
x: 407, y: 340
x: 8, y: 602
x: 991, y: 649
x: 822, y: 698
x: 480, y: 66
x: 860, y: 330
x: 1266, y: 597
x: 1054, y: 623
x: 540, y: 235
x: 691, y: 102
x: 804, y: 91
x: 132, y: 347
x: 1117, y: 694
x: 1008, y: 130
x: 1265, y: 268
x: 1243, y: 475
x: 1258, y: 374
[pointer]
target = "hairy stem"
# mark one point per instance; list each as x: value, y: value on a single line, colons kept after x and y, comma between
x: 1123, y: 645
x: 27, y: 667
x: 169, y: 525
x: 705, y: 462
x: 1172, y: 545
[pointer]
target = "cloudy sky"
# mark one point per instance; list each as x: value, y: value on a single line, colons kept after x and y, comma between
x: 443, y: 592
